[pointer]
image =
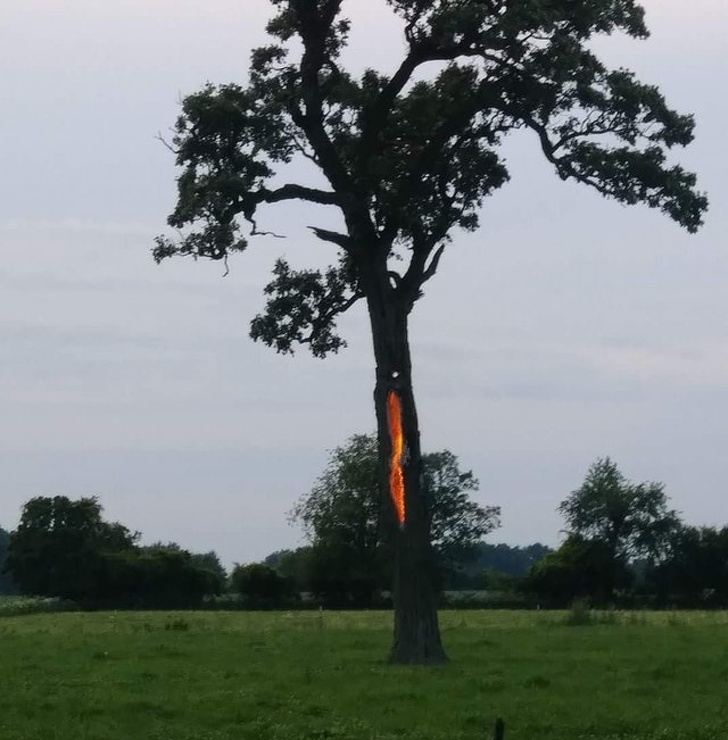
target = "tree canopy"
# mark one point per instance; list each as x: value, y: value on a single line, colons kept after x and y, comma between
x: 579, y: 569
x: 631, y: 519
x: 412, y: 154
x: 57, y: 546
x: 616, y: 529
x: 261, y: 585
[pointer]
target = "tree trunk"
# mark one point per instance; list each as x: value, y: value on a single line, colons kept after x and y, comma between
x: 416, y: 628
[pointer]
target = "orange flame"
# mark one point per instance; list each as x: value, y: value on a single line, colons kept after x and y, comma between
x: 396, y: 473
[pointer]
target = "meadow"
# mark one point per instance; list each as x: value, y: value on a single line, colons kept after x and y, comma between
x: 321, y: 676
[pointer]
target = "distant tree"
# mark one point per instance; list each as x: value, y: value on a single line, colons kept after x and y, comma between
x: 278, y: 558
x: 695, y: 573
x: 295, y: 565
x: 208, y: 562
x: 406, y: 160
x: 7, y: 585
x: 631, y: 520
x: 580, y: 568
x: 151, y: 578
x: 497, y: 567
x: 341, y: 517
x: 508, y: 559
x: 260, y: 584
x: 457, y: 523
x: 59, y: 546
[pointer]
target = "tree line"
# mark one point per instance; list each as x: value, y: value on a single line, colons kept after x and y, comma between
x: 624, y: 545
x: 64, y: 548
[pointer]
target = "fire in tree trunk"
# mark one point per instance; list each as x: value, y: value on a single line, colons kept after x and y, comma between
x: 405, y: 517
x: 397, y: 459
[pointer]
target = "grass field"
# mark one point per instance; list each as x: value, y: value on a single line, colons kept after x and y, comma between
x: 311, y: 676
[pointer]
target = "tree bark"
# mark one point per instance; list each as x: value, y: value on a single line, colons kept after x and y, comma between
x: 416, y: 628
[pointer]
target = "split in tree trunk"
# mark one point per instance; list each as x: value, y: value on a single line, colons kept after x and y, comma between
x: 416, y: 628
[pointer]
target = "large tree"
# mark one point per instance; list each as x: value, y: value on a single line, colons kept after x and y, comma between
x: 407, y: 159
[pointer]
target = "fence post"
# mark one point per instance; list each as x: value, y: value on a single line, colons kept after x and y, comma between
x: 500, y: 729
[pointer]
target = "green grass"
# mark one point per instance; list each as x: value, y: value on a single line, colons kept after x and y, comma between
x: 311, y: 676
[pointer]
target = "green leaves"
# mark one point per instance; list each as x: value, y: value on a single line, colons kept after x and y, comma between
x: 303, y: 306
x: 453, y: 22
x: 633, y: 176
x: 59, y: 543
x: 412, y: 156
x: 630, y: 519
x: 458, y: 523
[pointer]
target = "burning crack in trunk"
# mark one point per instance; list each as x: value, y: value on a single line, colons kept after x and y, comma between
x: 396, y: 463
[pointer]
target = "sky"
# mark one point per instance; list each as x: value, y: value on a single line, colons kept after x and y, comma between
x: 567, y: 328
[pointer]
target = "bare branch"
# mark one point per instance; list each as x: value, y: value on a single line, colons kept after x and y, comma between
x: 431, y: 269
x: 341, y: 240
x: 161, y: 138
x: 256, y: 232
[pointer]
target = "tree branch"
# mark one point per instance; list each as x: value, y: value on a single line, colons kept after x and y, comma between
x: 325, y: 319
x: 298, y: 192
x: 312, y: 30
x: 341, y: 240
x: 376, y: 118
x: 431, y: 269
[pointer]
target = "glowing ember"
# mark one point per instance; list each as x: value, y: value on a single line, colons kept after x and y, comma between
x: 396, y: 474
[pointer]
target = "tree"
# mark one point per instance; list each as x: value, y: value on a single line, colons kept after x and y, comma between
x: 6, y: 581
x: 580, y: 568
x: 695, y: 573
x: 293, y: 565
x: 632, y: 520
x: 457, y: 524
x: 508, y: 559
x: 208, y: 563
x: 341, y: 516
x: 497, y: 567
x: 407, y: 159
x: 150, y: 578
x: 261, y: 584
x: 60, y: 544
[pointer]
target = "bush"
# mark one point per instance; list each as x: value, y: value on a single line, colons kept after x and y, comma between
x: 261, y: 585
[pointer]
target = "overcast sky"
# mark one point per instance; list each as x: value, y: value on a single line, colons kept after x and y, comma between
x: 567, y: 328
